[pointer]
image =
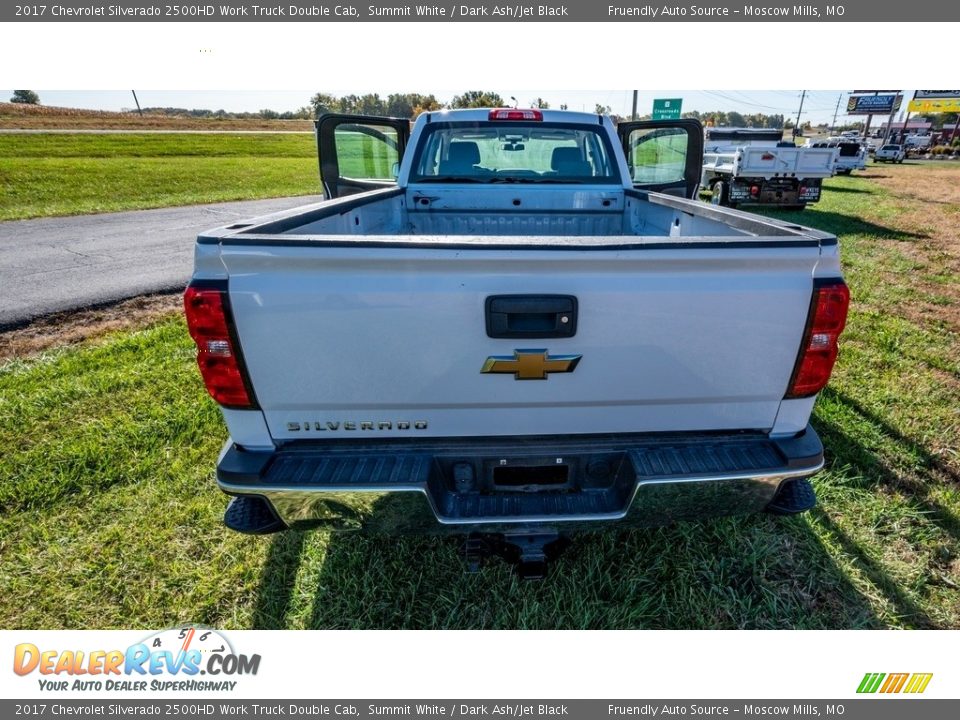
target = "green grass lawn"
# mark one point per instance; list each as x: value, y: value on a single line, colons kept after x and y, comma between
x: 63, y: 174
x: 110, y: 515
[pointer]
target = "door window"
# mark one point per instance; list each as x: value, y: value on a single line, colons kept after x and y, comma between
x: 367, y: 152
x: 658, y: 155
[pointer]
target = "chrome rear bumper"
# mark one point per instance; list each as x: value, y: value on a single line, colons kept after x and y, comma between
x: 626, y: 481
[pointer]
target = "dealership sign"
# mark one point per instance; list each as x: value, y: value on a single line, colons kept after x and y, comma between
x: 937, y: 95
x: 870, y: 104
x: 935, y: 101
x: 934, y: 106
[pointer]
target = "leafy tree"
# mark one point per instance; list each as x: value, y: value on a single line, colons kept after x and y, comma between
x: 735, y: 119
x: 350, y: 104
x: 540, y: 103
x: 324, y: 103
x: 394, y: 105
x: 25, y: 97
x: 564, y: 106
x: 602, y: 109
x: 400, y: 105
x: 477, y: 99
x: 410, y: 105
x: 372, y: 104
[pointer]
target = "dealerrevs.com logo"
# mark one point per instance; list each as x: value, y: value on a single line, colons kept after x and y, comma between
x: 172, y: 659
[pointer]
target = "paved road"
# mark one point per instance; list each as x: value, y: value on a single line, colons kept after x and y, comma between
x: 54, y: 264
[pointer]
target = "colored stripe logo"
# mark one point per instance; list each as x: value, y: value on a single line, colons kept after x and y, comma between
x: 913, y: 683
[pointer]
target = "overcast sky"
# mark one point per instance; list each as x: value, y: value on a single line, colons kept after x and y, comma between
x: 818, y: 107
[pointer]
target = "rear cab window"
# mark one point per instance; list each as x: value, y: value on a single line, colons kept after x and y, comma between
x: 514, y: 152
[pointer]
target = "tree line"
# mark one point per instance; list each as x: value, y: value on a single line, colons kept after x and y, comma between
x: 410, y: 105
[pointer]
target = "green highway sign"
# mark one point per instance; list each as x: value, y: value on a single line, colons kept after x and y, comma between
x: 667, y: 108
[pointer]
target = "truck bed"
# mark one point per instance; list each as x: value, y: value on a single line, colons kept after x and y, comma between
x: 454, y: 218
x: 697, y: 310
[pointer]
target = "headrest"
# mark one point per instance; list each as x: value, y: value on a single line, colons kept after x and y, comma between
x: 564, y: 155
x: 465, y: 152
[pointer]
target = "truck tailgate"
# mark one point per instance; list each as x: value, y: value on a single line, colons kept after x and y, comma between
x: 787, y: 161
x: 345, y: 341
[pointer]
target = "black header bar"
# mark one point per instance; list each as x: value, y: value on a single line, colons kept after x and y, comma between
x: 483, y: 11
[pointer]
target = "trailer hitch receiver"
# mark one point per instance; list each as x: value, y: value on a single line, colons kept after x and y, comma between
x: 529, y: 552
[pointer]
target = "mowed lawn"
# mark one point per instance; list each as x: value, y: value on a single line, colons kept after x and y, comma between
x: 70, y: 174
x: 110, y: 515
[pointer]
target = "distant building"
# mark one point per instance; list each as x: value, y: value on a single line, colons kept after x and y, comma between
x: 918, y: 127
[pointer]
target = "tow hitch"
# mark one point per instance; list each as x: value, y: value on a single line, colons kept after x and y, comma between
x: 529, y: 552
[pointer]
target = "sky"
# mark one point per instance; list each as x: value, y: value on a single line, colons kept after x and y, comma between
x: 819, y: 105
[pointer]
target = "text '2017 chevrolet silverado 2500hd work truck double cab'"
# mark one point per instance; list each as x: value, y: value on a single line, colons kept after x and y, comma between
x: 512, y: 324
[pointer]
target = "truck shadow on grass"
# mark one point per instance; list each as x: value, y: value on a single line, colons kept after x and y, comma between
x: 735, y: 573
x: 753, y: 572
x: 871, y: 472
x: 838, y: 189
x: 840, y: 224
x: 748, y: 572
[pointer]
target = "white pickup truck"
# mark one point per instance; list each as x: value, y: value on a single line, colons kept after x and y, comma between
x: 756, y: 166
x: 513, y: 324
x: 851, y: 152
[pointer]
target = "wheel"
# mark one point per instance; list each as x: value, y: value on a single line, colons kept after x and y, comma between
x: 720, y: 193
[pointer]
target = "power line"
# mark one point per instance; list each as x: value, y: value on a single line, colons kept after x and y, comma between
x: 722, y: 96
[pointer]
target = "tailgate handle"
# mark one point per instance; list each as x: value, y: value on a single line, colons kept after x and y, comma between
x: 531, y: 316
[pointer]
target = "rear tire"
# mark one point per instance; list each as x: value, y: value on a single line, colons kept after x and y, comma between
x: 720, y: 194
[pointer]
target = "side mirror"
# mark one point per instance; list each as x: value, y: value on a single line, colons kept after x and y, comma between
x: 395, y: 170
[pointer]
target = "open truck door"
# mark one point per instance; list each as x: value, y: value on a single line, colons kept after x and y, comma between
x: 359, y: 152
x: 664, y: 155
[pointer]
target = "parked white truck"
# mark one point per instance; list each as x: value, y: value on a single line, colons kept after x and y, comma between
x: 512, y: 324
x: 757, y: 166
x: 852, y: 152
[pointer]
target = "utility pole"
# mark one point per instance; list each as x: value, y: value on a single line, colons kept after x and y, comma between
x: 893, y: 111
x: 833, y: 128
x: 137, y: 102
x: 633, y: 115
x: 796, y: 128
x: 903, y: 136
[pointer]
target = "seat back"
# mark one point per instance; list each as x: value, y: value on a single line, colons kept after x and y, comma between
x: 462, y: 158
x: 569, y: 161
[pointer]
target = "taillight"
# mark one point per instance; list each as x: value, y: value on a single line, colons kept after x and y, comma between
x: 754, y: 189
x: 514, y: 114
x: 221, y: 366
x: 818, y: 353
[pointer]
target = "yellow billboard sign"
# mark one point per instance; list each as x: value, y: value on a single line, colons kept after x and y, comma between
x: 935, y: 106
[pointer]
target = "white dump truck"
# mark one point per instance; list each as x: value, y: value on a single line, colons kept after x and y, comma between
x: 757, y: 166
x: 511, y: 324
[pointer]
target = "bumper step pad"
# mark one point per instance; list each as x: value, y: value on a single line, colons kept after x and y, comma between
x: 793, y: 497
x: 252, y: 515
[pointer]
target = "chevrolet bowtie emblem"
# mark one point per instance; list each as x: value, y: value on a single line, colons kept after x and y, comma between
x: 530, y: 364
